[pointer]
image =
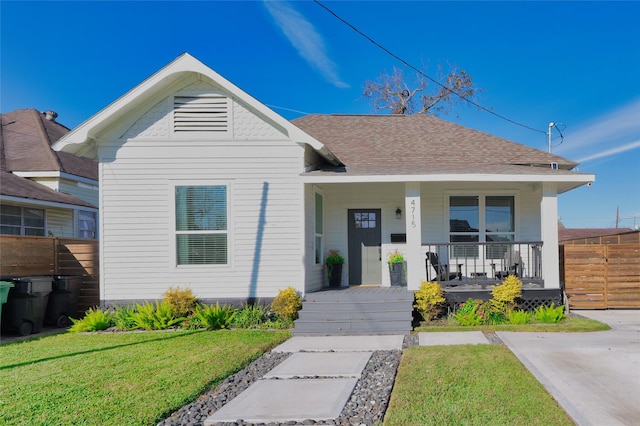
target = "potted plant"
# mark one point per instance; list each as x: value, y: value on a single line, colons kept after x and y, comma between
x: 334, y: 262
x: 397, y: 269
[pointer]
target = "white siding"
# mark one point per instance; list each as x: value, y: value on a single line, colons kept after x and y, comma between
x: 265, y: 199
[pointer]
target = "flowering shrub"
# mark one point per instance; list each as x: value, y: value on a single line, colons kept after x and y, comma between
x: 505, y: 294
x: 182, y: 302
x: 429, y: 300
x: 287, y: 304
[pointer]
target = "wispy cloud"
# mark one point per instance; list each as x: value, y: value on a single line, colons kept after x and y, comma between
x: 305, y: 39
x: 610, y: 134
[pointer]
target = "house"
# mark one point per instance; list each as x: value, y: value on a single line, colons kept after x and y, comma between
x: 204, y: 186
x: 43, y: 192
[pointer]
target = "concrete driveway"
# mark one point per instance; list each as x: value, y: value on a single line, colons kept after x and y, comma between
x: 595, y: 376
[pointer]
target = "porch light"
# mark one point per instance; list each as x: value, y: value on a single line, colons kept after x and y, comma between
x: 398, y: 213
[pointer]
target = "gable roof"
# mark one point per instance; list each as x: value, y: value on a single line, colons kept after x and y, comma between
x: 81, y: 139
x: 419, y: 145
x: 26, y: 136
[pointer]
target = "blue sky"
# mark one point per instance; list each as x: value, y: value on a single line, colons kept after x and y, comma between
x: 575, y: 63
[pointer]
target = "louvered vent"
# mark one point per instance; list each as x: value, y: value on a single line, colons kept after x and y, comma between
x: 200, y: 114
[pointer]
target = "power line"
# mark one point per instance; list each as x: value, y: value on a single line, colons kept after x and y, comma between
x: 407, y: 64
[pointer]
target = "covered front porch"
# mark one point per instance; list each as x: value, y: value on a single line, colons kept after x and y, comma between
x: 476, y: 266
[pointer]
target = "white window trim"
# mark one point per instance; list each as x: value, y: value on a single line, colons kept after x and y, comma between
x: 324, y: 229
x: 173, y: 251
x: 482, y: 219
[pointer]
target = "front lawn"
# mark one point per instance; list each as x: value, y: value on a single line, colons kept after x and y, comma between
x: 568, y: 324
x: 119, y: 378
x: 469, y: 385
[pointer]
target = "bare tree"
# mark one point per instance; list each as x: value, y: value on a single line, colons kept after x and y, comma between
x: 392, y: 92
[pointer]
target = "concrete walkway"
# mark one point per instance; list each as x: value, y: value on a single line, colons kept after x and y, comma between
x: 594, y: 376
x: 315, y: 382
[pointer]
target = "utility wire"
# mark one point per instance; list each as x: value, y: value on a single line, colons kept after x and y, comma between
x: 407, y: 64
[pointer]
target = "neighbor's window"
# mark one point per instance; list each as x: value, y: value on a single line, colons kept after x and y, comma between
x: 87, y: 224
x: 201, y: 225
x: 319, y: 228
x: 16, y: 220
x: 475, y: 219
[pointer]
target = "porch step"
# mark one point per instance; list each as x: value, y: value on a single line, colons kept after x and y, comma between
x: 355, y: 312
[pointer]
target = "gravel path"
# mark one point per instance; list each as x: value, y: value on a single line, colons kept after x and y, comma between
x: 367, y: 404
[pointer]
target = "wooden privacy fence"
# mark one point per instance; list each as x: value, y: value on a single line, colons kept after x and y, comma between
x: 601, y: 276
x: 22, y: 256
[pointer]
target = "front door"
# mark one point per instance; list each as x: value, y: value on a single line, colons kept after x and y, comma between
x: 365, y: 249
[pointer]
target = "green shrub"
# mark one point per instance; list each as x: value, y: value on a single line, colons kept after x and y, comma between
x: 182, y: 302
x: 549, y: 314
x: 94, y: 320
x: 429, y: 300
x: 212, y: 317
x: 519, y: 317
x: 123, y: 318
x: 158, y: 317
x: 478, y: 312
x: 287, y: 304
x: 252, y: 316
x: 471, y: 312
x: 506, y: 294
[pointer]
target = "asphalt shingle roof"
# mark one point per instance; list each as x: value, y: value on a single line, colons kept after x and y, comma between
x: 26, y: 137
x: 421, y: 144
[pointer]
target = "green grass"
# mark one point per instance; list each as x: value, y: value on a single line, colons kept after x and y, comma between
x: 469, y: 385
x: 119, y: 378
x: 570, y: 324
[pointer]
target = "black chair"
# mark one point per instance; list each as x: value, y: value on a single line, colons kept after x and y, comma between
x: 442, y: 271
x: 511, y: 264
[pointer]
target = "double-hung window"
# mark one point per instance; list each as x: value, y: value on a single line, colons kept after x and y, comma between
x: 87, y: 224
x: 481, y: 218
x: 201, y: 225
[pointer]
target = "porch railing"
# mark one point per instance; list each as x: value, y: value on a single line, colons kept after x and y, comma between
x: 483, y: 264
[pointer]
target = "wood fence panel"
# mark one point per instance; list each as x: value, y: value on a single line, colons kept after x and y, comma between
x: 81, y: 257
x: 26, y: 256
x: 601, y: 276
x: 623, y: 276
x: 22, y: 256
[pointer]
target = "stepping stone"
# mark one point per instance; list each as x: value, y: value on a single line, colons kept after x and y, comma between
x: 321, y: 364
x: 280, y: 401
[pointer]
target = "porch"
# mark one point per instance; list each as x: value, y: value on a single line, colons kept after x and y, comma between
x: 473, y: 266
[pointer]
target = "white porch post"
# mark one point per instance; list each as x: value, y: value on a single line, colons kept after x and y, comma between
x: 413, y: 216
x: 549, y: 226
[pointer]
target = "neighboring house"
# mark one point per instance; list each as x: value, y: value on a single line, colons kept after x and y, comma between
x: 203, y: 186
x: 565, y: 234
x: 43, y: 192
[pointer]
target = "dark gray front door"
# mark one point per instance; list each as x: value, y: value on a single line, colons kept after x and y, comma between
x: 364, y: 247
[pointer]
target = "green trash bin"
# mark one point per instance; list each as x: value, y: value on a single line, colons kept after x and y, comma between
x: 4, y: 293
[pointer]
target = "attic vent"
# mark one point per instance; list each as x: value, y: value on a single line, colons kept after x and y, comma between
x: 200, y: 114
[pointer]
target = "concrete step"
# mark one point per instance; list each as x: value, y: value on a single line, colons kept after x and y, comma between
x: 354, y: 315
x: 351, y: 327
x: 346, y: 306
